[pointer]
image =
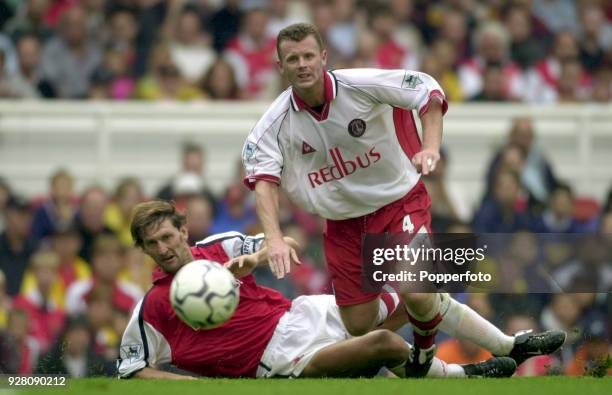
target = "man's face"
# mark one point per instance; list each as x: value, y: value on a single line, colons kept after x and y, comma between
x: 167, y: 246
x: 302, y: 62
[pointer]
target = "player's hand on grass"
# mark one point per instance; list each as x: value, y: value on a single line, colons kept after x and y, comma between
x: 280, y: 256
x: 426, y: 160
x: 241, y: 266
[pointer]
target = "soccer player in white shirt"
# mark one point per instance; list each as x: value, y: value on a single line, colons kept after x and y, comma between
x: 344, y: 145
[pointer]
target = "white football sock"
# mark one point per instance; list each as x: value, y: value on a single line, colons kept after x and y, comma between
x: 461, y: 322
x: 387, y: 303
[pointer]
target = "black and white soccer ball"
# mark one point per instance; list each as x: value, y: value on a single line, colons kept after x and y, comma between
x: 204, y: 294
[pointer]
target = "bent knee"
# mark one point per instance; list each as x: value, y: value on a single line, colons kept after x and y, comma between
x: 358, y: 327
x: 419, y: 299
x: 388, y: 344
x: 359, y: 319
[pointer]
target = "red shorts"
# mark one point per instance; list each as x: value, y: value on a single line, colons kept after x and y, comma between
x: 342, y: 240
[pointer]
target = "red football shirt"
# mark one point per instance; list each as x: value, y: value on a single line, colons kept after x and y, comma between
x: 156, y: 335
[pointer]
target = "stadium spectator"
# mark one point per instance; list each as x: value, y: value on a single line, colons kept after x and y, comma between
x: 67, y: 244
x: 525, y: 48
x: 367, y: 46
x: 252, y: 55
x: 28, y: 83
x: 572, y: 87
x: 491, y: 44
x: 53, y: 294
x: 191, y: 178
x: 57, y: 210
x: 72, y: 354
x: 200, y: 216
x: 30, y: 19
x: 99, y: 313
x: 26, y: 348
x: 448, y: 203
x: 286, y: 12
x: 558, y: 217
x: 118, y: 214
x: 225, y: 24
x: 219, y: 82
x: 107, y: 261
x: 454, y: 29
x: 390, y: 53
x: 498, y: 213
x: 535, y: 170
x: 602, y: 86
x: 137, y: 270
x: 89, y: 219
x: 590, y: 271
x: 493, y: 89
x: 324, y: 19
x: 234, y: 212
x: 595, y: 37
x: 444, y: 54
x: 547, y: 84
x: 343, y: 33
x: 16, y: 244
x: 164, y: 81
x: 520, y: 266
x: 407, y: 33
x: 190, y: 47
x: 45, y: 310
x: 70, y: 58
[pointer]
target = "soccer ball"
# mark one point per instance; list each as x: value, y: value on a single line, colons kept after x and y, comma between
x: 204, y: 294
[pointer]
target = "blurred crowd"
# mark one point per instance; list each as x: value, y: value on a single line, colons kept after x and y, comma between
x: 70, y: 275
x: 536, y: 51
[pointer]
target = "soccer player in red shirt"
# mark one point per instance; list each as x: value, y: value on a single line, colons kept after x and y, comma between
x: 268, y: 335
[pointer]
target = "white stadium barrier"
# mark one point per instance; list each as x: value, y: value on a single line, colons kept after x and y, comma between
x: 104, y: 141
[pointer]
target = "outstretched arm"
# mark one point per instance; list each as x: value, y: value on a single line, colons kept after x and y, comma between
x: 243, y: 265
x: 279, y: 253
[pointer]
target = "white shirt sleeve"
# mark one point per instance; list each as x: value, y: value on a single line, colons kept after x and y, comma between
x: 406, y: 89
x: 261, y: 155
x: 235, y: 243
x: 141, y: 346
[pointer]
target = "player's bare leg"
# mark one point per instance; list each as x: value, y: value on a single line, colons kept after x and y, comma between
x: 360, y: 319
x: 365, y: 355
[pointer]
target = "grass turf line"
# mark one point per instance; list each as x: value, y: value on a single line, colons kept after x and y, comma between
x: 380, y: 386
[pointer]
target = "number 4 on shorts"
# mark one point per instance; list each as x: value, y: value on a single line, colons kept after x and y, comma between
x: 408, y: 226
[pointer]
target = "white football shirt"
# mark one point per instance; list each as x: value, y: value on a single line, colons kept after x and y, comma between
x: 354, y: 156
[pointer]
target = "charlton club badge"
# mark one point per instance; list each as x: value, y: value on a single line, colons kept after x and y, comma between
x: 357, y: 127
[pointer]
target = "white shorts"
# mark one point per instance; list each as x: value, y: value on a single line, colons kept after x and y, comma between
x: 312, y: 323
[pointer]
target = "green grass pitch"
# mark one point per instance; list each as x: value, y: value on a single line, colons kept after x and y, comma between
x: 377, y: 386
